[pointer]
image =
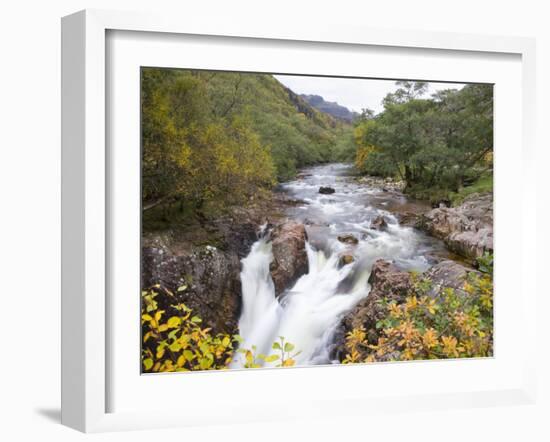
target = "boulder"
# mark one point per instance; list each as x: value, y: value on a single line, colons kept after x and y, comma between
x: 326, y: 190
x: 467, y: 229
x: 348, y: 239
x: 289, y: 254
x: 346, y: 259
x: 379, y: 223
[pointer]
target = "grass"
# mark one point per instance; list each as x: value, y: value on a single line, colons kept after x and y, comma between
x: 483, y: 184
x: 434, y: 195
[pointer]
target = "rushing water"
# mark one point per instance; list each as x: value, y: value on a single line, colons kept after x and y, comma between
x: 308, y: 312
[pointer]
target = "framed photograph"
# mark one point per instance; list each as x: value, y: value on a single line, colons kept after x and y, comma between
x: 291, y: 223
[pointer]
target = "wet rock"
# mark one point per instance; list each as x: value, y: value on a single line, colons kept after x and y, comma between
x: 326, y: 190
x: 348, y: 239
x: 379, y: 223
x: 467, y: 229
x: 346, y: 259
x: 289, y: 254
x: 206, y: 279
x: 408, y: 219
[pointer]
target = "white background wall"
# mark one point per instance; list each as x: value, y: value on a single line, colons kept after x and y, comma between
x: 30, y: 213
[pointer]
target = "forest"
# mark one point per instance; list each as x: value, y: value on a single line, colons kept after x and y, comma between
x: 269, y: 217
x: 213, y: 139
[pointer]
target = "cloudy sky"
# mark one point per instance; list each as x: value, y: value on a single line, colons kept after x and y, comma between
x: 355, y: 94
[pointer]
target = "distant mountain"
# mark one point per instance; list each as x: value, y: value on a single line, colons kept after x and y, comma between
x: 329, y: 107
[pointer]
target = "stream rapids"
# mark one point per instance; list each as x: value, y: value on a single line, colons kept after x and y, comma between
x: 308, y: 312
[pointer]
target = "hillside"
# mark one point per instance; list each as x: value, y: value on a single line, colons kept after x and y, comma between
x: 329, y: 107
x: 296, y: 133
x: 213, y: 139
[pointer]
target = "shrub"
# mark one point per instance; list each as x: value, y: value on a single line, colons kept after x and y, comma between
x: 447, y: 324
x: 179, y: 343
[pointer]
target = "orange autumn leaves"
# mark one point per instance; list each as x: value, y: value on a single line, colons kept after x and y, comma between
x: 448, y: 324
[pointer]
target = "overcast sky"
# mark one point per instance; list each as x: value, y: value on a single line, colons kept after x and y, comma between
x: 355, y: 94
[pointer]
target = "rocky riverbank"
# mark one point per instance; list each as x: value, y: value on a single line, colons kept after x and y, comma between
x: 466, y: 229
x: 201, y: 264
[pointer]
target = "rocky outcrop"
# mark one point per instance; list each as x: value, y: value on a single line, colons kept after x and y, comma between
x: 202, y: 260
x: 289, y: 254
x: 205, y: 279
x: 467, y: 229
x: 326, y: 190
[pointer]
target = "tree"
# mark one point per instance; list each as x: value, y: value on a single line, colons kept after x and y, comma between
x: 433, y: 144
x: 407, y: 91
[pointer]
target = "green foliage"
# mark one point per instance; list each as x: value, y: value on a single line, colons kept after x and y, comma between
x: 344, y: 148
x: 447, y: 324
x: 483, y: 184
x: 192, y: 152
x: 180, y: 343
x: 284, y: 356
x: 213, y: 139
x: 485, y: 263
x: 436, y: 145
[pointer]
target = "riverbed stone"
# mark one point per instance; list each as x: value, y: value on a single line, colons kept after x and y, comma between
x: 348, y: 238
x: 379, y: 223
x: 346, y: 259
x: 326, y: 190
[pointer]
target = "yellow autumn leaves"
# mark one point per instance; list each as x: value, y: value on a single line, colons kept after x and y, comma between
x: 448, y: 324
x: 179, y: 343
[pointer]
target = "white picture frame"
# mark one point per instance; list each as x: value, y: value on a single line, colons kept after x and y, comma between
x: 86, y: 206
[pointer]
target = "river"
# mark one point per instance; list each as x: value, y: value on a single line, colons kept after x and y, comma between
x: 309, y: 311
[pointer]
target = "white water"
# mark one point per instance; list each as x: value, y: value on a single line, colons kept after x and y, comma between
x: 307, y: 314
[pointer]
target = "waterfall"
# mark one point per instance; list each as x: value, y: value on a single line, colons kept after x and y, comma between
x: 308, y: 313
